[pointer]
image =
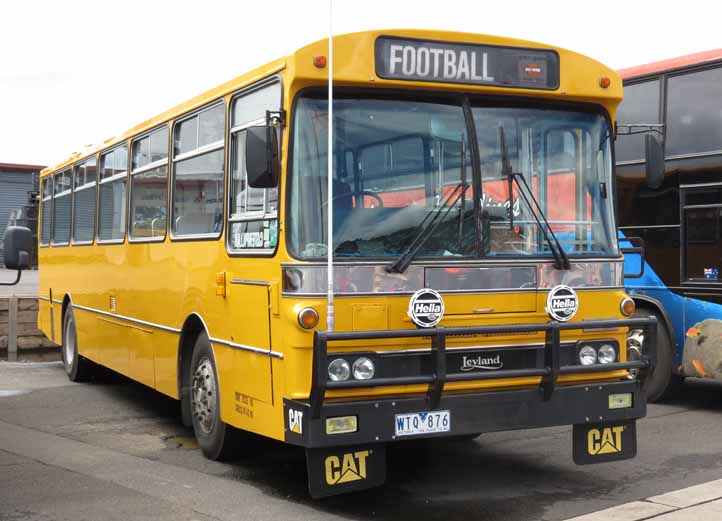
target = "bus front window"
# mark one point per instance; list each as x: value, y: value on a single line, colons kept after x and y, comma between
x: 403, y: 174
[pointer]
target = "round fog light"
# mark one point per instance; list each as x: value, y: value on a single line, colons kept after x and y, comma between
x: 363, y: 369
x: 587, y: 355
x: 339, y: 370
x: 607, y: 354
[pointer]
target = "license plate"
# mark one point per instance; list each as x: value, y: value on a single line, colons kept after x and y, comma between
x: 423, y: 423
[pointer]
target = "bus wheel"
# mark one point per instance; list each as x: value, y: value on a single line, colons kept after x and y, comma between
x: 661, y: 383
x: 78, y: 368
x: 216, y: 439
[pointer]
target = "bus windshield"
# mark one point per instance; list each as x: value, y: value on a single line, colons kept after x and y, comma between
x: 403, y: 171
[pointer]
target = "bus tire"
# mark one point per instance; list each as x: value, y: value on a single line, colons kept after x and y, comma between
x: 78, y: 368
x: 217, y: 439
x: 661, y: 383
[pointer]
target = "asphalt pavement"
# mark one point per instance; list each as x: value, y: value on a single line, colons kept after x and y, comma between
x: 114, y: 449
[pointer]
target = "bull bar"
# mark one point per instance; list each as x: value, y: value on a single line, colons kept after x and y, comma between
x: 436, y: 380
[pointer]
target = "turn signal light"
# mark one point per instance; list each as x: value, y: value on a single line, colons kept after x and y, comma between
x: 627, y: 307
x: 319, y: 61
x: 307, y: 318
x: 605, y: 82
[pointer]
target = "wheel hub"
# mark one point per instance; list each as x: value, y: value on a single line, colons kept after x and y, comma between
x: 203, y: 396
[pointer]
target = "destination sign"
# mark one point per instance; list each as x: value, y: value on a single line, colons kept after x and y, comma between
x: 426, y: 60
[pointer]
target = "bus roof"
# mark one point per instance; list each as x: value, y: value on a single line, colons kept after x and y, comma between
x: 670, y: 64
x: 300, y: 63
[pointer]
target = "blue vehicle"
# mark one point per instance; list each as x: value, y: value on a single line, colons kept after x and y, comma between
x: 671, y: 224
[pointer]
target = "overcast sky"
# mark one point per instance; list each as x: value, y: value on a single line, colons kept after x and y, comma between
x: 74, y: 73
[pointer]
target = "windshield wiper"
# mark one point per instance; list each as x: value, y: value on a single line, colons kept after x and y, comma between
x: 560, y: 256
x: 428, y: 227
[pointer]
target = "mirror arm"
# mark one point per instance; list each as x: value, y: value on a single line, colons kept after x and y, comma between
x: 17, y: 280
x: 276, y: 118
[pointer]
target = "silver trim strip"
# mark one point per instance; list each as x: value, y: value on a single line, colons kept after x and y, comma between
x: 258, y: 350
x: 150, y: 166
x: 210, y: 147
x: 250, y: 282
x: 129, y: 319
x: 466, y: 348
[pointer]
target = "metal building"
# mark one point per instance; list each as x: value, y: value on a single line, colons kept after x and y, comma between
x: 18, y: 201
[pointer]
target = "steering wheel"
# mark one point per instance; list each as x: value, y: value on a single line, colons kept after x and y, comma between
x: 373, y: 195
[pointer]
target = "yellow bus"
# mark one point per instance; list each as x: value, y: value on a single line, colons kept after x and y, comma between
x: 477, y: 279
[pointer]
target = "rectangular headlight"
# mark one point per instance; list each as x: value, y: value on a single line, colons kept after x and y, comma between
x: 620, y: 401
x: 341, y: 425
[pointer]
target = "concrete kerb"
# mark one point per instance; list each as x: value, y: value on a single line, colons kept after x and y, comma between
x: 691, y: 503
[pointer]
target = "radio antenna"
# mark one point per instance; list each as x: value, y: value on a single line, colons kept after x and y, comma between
x: 330, y: 318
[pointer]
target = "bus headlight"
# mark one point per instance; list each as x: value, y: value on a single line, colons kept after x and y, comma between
x: 607, y: 354
x: 587, y: 355
x: 363, y: 369
x: 339, y: 370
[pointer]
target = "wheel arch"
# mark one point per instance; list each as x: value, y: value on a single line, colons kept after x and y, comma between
x: 652, y: 304
x: 192, y: 327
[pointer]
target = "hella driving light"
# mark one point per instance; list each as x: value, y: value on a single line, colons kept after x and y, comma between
x: 607, y: 354
x: 587, y: 355
x: 341, y: 425
x: 339, y: 370
x: 363, y: 369
x: 620, y: 401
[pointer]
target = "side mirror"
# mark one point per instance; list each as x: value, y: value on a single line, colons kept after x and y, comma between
x: 262, y: 163
x: 17, y: 246
x: 654, y: 156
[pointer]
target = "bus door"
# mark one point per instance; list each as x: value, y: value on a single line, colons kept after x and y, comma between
x: 249, y: 325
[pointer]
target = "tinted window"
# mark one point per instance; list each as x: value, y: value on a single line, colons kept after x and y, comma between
x: 694, y: 113
x: 61, y: 208
x: 149, y: 188
x: 704, y: 248
x: 84, y: 201
x: 111, y: 197
x: 253, y: 106
x: 198, y: 195
x: 640, y: 105
x: 46, y: 210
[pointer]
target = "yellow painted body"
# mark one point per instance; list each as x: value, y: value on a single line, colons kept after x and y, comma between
x: 164, y: 283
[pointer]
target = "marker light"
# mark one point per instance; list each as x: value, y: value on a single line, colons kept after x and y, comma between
x: 339, y: 370
x: 627, y: 307
x: 605, y: 82
x: 307, y: 318
x: 341, y: 424
x: 607, y: 354
x: 587, y: 355
x: 363, y: 369
x: 319, y: 61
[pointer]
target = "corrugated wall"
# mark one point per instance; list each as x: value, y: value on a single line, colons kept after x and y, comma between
x: 14, y: 188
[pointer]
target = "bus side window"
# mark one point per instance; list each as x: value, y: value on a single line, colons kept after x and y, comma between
x: 46, y: 210
x: 253, y: 212
x: 111, y: 200
x: 198, y: 174
x: 62, y: 200
x: 84, y: 187
x: 149, y: 186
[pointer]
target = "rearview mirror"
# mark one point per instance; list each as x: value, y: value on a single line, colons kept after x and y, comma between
x: 17, y: 246
x: 262, y: 163
x: 654, y: 156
